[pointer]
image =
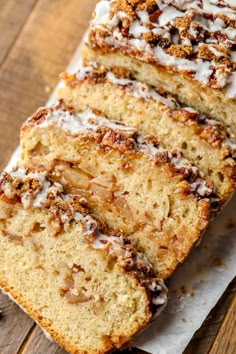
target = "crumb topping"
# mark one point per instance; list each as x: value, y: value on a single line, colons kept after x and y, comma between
x: 39, y: 191
x: 196, y: 37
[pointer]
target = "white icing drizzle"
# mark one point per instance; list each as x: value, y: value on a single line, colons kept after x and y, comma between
x: 83, y: 71
x: 143, y: 15
x: 84, y: 122
x: 136, y: 30
x: 209, y: 8
x: 169, y: 13
x: 201, y: 70
x: 42, y: 196
x: 204, y: 6
x: 231, y: 87
x: 231, y: 144
x: 111, y: 243
x: 149, y: 149
x: 201, y: 188
x: 20, y: 172
x: 231, y: 33
x: 230, y: 2
x: 115, y: 246
x: 204, y: 71
x: 161, y: 299
x: 136, y: 88
x: 216, y: 52
x: 190, y: 109
x: 102, y: 12
x: 37, y: 198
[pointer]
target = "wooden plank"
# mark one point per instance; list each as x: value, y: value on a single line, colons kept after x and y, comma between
x: 40, y: 345
x: 206, y: 335
x: 14, y: 326
x: 225, y: 341
x: 13, y: 16
x: 42, y: 50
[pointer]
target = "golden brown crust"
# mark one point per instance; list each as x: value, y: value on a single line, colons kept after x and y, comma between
x: 45, y: 325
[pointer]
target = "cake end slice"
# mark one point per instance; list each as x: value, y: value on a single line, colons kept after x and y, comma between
x: 89, y: 290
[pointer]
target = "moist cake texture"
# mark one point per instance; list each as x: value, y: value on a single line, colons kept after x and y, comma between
x: 89, y: 289
x: 153, y: 195
x: 205, y: 141
x: 186, y: 47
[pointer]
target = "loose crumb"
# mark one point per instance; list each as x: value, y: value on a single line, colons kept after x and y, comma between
x: 183, y: 289
x: 217, y: 262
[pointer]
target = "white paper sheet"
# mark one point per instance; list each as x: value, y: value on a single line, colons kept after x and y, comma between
x: 196, y: 286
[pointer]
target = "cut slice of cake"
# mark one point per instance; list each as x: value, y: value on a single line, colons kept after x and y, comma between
x: 185, y: 47
x: 131, y: 183
x: 89, y: 289
x: 115, y: 93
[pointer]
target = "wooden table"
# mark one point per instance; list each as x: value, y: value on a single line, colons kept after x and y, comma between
x: 37, y: 40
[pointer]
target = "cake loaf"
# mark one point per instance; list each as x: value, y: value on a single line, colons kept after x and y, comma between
x: 89, y: 289
x: 185, y: 47
x: 204, y: 141
x: 131, y: 183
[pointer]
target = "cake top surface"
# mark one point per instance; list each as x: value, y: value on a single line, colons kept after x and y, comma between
x: 196, y: 37
x: 38, y: 190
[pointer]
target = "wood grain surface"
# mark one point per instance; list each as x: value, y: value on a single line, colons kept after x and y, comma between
x: 13, y: 15
x: 37, y: 41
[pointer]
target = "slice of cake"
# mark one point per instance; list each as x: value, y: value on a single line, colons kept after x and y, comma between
x: 204, y: 141
x: 131, y: 183
x: 89, y: 289
x: 185, y: 47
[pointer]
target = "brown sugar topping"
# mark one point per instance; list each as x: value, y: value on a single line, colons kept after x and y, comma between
x: 199, y: 35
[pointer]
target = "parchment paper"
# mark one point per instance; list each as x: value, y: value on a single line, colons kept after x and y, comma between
x: 196, y: 286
